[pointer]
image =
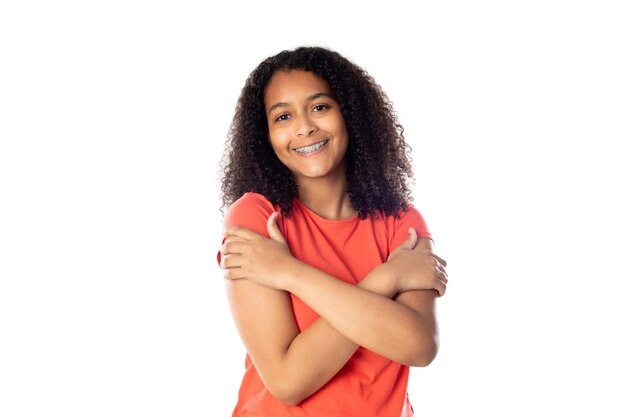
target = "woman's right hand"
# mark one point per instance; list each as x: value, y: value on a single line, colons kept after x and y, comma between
x: 417, y: 269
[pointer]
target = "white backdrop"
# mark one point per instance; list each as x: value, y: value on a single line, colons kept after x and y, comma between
x: 112, y: 121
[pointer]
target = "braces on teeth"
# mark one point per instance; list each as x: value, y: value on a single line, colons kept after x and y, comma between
x: 314, y: 147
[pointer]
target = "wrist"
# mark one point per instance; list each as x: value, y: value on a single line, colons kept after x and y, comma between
x: 382, y: 280
x: 290, y: 273
x: 394, y: 277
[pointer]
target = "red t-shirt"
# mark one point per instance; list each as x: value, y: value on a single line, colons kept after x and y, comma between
x: 369, y: 385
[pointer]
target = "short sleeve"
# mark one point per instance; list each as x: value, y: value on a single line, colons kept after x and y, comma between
x: 250, y: 211
x: 409, y: 218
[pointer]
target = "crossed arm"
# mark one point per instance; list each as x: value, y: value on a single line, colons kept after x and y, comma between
x: 390, y: 312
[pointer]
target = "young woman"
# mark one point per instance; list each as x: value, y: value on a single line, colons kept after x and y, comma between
x: 329, y: 270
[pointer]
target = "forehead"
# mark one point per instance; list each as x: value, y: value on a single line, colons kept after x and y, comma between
x: 292, y: 86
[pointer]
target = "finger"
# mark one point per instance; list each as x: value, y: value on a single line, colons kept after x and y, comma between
x: 234, y: 239
x: 232, y: 274
x: 441, y: 260
x: 233, y: 247
x: 242, y: 232
x: 408, y: 243
x: 438, y: 284
x: 412, y: 239
x: 442, y: 275
x: 441, y: 288
x: 273, y: 230
x: 228, y: 239
x: 231, y: 261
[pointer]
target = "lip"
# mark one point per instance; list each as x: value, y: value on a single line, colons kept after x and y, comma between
x: 311, y: 144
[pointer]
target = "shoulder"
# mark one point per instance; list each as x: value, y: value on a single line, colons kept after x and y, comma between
x: 398, y: 227
x: 410, y: 217
x: 251, y: 201
x: 251, y: 210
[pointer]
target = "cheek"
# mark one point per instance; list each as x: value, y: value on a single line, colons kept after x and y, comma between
x: 277, y: 139
x: 344, y: 134
x: 272, y: 143
x: 280, y: 147
x: 340, y: 126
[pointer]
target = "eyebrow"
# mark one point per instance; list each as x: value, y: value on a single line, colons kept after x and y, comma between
x: 309, y: 98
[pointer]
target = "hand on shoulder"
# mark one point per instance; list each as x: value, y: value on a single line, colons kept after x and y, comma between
x: 416, y: 267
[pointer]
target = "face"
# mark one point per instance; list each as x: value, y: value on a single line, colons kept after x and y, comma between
x: 306, y: 127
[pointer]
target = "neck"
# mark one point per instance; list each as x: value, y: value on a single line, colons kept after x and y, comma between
x: 327, y: 197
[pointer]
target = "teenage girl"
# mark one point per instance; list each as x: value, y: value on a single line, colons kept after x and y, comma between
x: 329, y: 269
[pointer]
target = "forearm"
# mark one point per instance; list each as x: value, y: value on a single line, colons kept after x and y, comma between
x: 293, y: 364
x: 320, y: 351
x: 364, y: 317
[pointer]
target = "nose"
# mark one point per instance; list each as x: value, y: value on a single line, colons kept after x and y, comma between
x: 305, y: 126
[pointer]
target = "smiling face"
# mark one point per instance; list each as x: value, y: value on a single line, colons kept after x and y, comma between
x: 306, y: 127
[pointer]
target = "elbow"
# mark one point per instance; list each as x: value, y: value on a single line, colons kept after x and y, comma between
x: 422, y: 361
x: 292, y: 399
x: 424, y: 353
x: 286, y: 392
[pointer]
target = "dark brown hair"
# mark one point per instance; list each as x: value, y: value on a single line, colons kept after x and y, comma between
x: 378, y: 163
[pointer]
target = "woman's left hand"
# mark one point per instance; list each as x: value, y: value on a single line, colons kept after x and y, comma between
x: 250, y: 255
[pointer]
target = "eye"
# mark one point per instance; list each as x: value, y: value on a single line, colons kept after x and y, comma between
x: 320, y: 107
x: 281, y: 117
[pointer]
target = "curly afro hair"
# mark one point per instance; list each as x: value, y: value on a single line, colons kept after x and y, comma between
x: 378, y: 162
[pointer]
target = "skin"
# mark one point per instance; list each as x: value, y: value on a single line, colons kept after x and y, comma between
x: 301, y: 111
x: 390, y: 312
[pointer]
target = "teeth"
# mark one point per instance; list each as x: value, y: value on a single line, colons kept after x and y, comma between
x: 312, y: 148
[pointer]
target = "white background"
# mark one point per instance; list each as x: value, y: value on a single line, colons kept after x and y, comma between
x: 112, y: 120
